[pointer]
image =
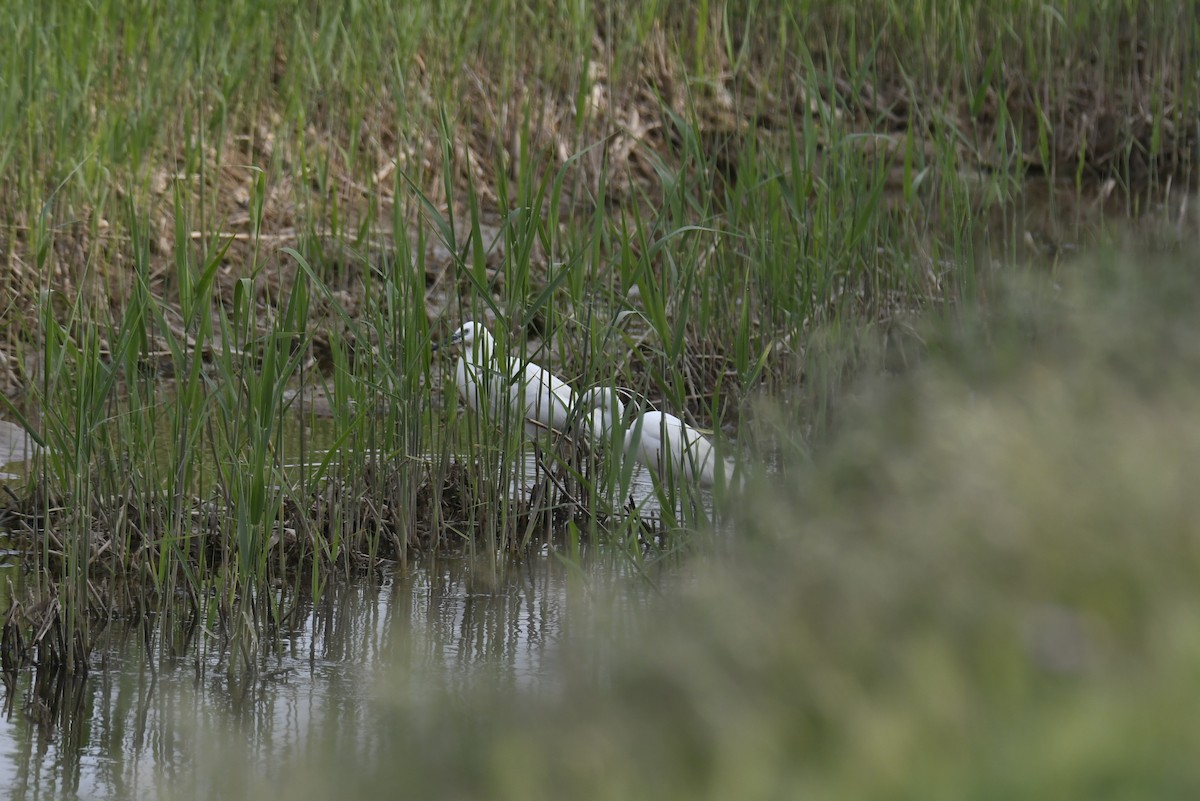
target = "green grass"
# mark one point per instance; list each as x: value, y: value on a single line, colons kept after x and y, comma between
x: 711, y: 212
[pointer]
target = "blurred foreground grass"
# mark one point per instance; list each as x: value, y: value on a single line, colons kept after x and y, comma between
x: 986, y: 587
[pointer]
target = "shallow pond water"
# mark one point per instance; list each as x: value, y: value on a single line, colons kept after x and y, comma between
x: 152, y: 716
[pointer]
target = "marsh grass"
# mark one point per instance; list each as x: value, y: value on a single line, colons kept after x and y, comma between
x: 708, y: 211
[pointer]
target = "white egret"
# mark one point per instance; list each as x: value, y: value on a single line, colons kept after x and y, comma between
x: 667, y: 446
x: 509, y: 386
x: 600, y: 410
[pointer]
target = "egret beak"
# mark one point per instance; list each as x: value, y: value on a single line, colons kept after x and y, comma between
x: 454, y: 339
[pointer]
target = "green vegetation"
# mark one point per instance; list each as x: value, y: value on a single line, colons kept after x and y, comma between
x: 734, y: 210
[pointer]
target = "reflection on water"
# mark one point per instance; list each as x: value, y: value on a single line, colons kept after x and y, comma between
x: 640, y: 492
x: 457, y: 630
x: 152, y: 711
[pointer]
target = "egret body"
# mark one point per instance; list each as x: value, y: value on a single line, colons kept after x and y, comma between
x: 667, y: 446
x: 508, y: 386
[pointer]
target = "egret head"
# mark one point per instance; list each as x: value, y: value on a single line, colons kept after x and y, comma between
x: 474, y: 337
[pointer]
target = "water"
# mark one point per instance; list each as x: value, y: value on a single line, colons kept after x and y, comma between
x: 154, y: 715
x: 16, y: 448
